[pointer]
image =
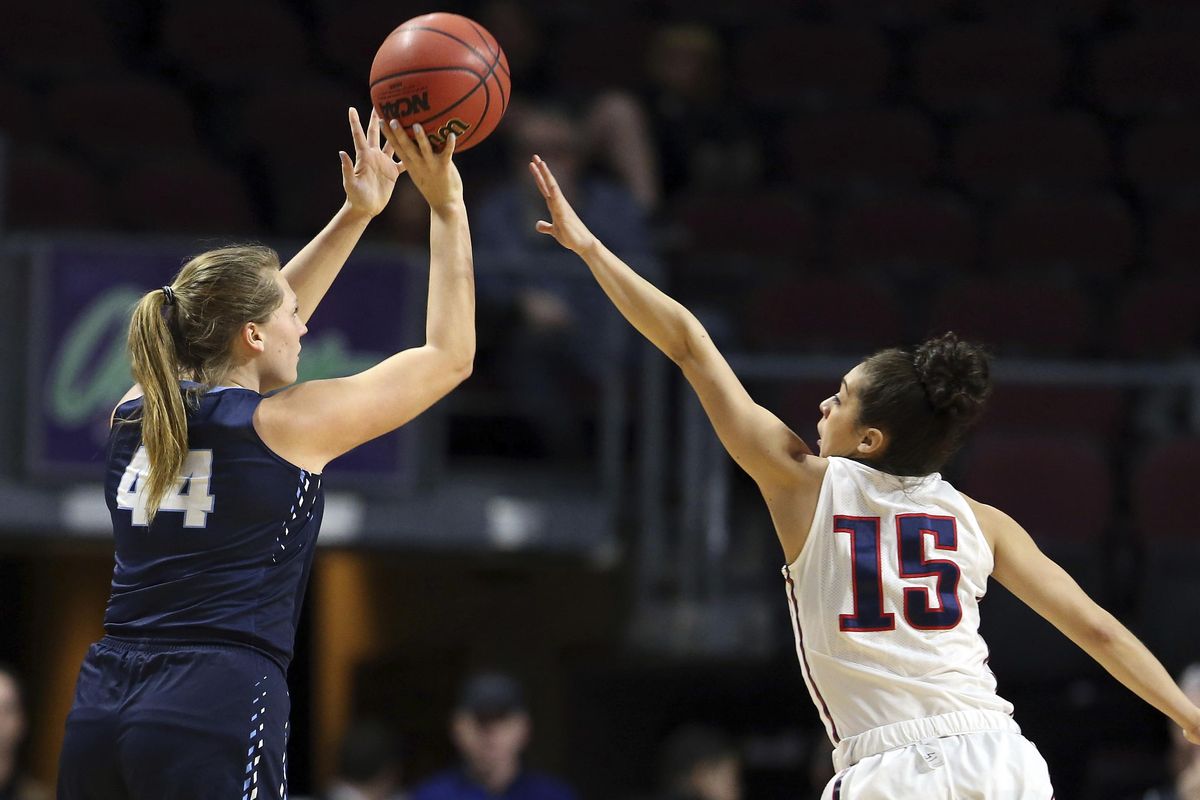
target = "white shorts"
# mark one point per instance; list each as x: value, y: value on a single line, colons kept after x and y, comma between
x: 970, y: 755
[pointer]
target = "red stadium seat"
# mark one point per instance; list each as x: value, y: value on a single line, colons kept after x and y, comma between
x: 47, y: 190
x: 141, y: 115
x: 607, y: 54
x: 762, y: 225
x: 1166, y: 13
x: 893, y: 14
x: 1158, y: 318
x: 1026, y: 316
x: 1161, y: 157
x: 1046, y: 151
x: 1057, y: 486
x: 350, y: 34
x: 55, y: 40
x: 1163, y: 481
x: 1088, y: 235
x: 312, y: 112
x: 973, y: 68
x: 1095, y: 411
x: 20, y: 113
x: 301, y: 205
x: 818, y: 66
x: 1070, y: 14
x: 922, y: 231
x: 228, y: 42
x: 184, y: 195
x: 1175, y: 239
x: 822, y: 314
x: 864, y: 148
x: 1148, y: 70
x: 723, y: 13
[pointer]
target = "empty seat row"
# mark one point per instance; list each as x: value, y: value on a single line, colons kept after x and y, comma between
x: 1155, y: 318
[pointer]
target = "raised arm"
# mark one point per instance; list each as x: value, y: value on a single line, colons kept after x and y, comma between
x: 1022, y: 568
x: 756, y: 439
x: 368, y: 181
x: 314, y: 422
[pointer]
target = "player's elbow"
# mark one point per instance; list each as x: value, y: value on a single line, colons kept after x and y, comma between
x: 686, y: 344
x: 1099, y: 630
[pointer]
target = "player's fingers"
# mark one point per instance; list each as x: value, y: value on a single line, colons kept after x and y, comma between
x: 347, y: 165
x: 547, y: 176
x: 373, y: 128
x: 356, y: 132
x: 388, y: 150
x: 544, y: 227
x: 423, y: 143
x: 400, y: 141
x: 448, y: 148
x: 537, y: 177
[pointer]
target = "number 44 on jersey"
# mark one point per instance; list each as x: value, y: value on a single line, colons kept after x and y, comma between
x: 189, y: 494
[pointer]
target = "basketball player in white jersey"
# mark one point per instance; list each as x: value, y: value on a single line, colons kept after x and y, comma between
x: 886, y: 562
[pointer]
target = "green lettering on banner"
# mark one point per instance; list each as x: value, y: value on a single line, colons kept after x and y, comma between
x: 90, y: 371
x: 330, y: 356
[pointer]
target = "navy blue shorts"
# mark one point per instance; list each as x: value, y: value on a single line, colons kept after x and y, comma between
x: 182, y: 720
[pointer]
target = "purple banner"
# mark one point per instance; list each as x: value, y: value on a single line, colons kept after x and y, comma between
x: 83, y: 296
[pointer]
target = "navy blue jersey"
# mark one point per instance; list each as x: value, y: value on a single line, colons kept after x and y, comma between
x: 228, y: 556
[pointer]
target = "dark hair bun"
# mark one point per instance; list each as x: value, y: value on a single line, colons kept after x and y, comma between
x: 955, y: 375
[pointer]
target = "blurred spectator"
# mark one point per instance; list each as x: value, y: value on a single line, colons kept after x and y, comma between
x: 1184, y: 757
x: 704, y: 137
x: 13, y: 784
x: 548, y: 347
x: 491, y: 728
x: 700, y: 763
x: 368, y: 766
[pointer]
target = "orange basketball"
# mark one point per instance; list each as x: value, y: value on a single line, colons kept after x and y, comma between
x: 445, y: 72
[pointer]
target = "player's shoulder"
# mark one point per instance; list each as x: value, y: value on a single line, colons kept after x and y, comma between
x: 135, y: 393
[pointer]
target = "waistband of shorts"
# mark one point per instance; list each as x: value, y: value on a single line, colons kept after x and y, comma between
x: 124, y: 644
x: 901, y: 734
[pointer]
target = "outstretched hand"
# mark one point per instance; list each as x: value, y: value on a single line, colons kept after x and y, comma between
x: 434, y: 174
x: 566, y: 228
x: 370, y: 178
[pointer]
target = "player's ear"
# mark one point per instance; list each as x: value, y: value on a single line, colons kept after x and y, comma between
x: 251, y: 337
x: 872, y: 443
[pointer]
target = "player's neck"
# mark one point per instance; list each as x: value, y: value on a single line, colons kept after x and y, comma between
x: 242, y: 378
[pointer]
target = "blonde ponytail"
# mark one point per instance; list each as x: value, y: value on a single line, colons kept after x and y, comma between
x: 164, y: 419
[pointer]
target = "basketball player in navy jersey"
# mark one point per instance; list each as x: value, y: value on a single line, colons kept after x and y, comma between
x: 214, y: 489
x: 887, y: 562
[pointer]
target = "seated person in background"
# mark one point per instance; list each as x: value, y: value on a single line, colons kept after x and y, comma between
x: 700, y: 763
x: 13, y: 784
x: 491, y: 727
x: 368, y: 765
x: 548, y: 345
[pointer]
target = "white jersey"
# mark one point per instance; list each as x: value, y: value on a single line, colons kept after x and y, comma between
x: 885, y: 602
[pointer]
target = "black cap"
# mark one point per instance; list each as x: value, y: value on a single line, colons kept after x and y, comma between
x: 490, y: 695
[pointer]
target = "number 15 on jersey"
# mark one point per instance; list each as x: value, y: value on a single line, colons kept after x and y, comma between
x: 189, y: 493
